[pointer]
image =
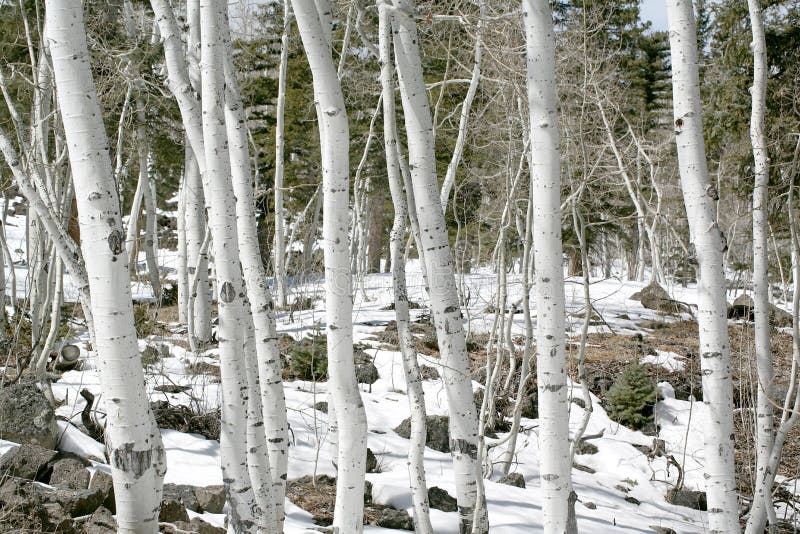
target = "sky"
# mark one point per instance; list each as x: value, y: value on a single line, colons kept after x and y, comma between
x: 656, y: 12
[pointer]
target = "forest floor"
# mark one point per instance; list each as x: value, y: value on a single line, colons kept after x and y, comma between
x: 621, y: 483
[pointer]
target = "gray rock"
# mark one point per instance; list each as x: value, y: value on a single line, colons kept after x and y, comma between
x: 662, y: 530
x: 688, y: 498
x: 26, y: 416
x: 585, y: 447
x: 29, y: 461
x: 321, y: 406
x: 513, y: 479
x: 70, y: 473
x: 437, y: 435
x: 655, y: 297
x: 55, y: 519
x: 23, y: 494
x: 172, y: 510
x: 77, y: 502
x: 633, y: 500
x: 102, y: 482
x: 372, y: 462
x: 439, y: 499
x: 211, y: 498
x: 427, y: 372
x: 183, y: 493
x: 367, y: 373
x: 397, y: 519
x: 196, y: 525
x: 101, y: 522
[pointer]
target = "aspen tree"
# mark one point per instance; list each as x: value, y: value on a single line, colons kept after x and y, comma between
x: 416, y: 395
x: 133, y: 441
x: 765, y: 424
x: 700, y: 197
x: 440, y: 280
x: 545, y: 168
x: 314, y: 26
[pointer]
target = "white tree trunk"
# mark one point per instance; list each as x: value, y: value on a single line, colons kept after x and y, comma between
x: 416, y: 396
x: 765, y: 425
x: 279, y: 254
x: 196, y: 258
x: 545, y: 165
x: 243, y: 497
x: 183, y: 265
x: 261, y: 304
x: 700, y: 198
x: 441, y: 283
x: 335, y: 138
x: 132, y: 438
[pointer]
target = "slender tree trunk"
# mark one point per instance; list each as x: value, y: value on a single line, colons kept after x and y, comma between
x: 441, y: 283
x: 334, y: 139
x: 416, y: 396
x: 196, y: 258
x: 132, y: 438
x: 279, y: 254
x: 699, y: 198
x: 245, y: 499
x: 183, y: 266
x: 555, y: 466
x: 262, y: 306
x: 466, y: 106
x: 765, y: 425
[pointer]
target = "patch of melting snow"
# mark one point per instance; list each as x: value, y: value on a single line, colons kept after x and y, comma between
x: 670, y: 361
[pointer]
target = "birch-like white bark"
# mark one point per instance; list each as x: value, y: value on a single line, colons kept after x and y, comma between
x: 243, y: 496
x: 183, y: 266
x: 765, y: 424
x: 279, y: 254
x: 555, y: 467
x: 441, y: 283
x: 196, y: 258
x: 699, y: 196
x: 335, y: 138
x: 132, y: 438
x: 416, y: 395
x: 262, y: 307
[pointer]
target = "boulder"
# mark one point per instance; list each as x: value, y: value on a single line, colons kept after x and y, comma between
x: 26, y: 416
x: 29, y: 461
x: 183, y: 493
x: 196, y: 525
x: 102, y: 482
x: 585, y: 447
x: 742, y: 308
x: 372, y: 462
x: 655, y: 297
x: 101, y: 522
x: 439, y: 499
x: 688, y: 498
x: 55, y: 519
x: 437, y: 435
x: 427, y: 372
x: 513, y: 479
x: 321, y: 406
x: 397, y: 519
x: 210, y: 498
x: 367, y: 373
x: 70, y: 472
x: 76, y: 502
x: 172, y: 510
x: 662, y: 530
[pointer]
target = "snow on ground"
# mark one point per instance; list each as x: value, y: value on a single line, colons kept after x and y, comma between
x: 621, y: 470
